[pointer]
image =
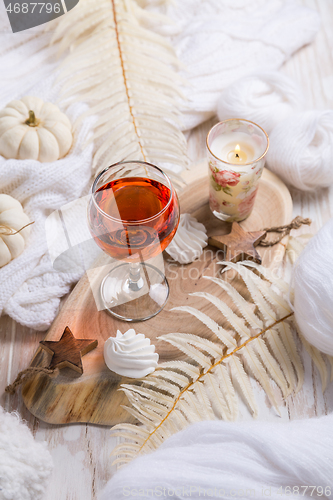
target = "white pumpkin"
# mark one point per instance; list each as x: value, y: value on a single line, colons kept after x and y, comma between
x: 12, y: 219
x: 31, y: 129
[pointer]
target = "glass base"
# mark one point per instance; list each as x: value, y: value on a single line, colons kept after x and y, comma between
x: 230, y: 218
x: 138, y: 300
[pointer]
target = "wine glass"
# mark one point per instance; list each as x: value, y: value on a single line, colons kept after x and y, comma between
x: 133, y: 214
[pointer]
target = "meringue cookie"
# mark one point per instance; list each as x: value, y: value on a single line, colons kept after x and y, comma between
x: 189, y: 241
x: 130, y: 354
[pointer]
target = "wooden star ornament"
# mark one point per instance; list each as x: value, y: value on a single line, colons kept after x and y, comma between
x: 68, y: 351
x: 239, y: 244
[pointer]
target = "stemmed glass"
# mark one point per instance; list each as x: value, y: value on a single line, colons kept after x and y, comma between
x: 133, y: 215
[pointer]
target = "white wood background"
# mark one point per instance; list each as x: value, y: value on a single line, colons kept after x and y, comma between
x: 81, y: 452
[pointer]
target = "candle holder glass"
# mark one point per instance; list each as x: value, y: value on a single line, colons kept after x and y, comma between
x: 233, y: 186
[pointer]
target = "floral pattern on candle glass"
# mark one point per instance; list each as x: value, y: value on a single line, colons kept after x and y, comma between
x: 233, y: 188
x: 246, y: 205
x: 228, y: 204
x: 232, y: 194
x: 225, y: 178
x: 213, y: 203
x: 245, y: 193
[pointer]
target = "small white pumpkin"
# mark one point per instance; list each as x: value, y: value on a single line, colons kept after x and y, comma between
x: 31, y: 129
x: 12, y: 219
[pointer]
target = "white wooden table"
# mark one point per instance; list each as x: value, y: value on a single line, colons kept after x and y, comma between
x: 81, y: 452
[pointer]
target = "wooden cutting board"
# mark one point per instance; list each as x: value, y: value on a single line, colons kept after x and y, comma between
x: 94, y: 396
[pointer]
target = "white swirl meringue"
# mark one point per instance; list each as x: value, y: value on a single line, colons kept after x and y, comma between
x: 130, y: 354
x: 189, y: 241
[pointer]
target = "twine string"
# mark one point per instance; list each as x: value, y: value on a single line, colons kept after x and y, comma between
x: 24, y: 375
x: 284, y: 230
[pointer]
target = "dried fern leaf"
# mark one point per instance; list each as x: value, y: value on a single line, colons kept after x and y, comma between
x: 318, y: 360
x: 227, y: 389
x: 169, y: 376
x: 211, y: 348
x: 295, y: 246
x: 123, y: 430
x: 205, y: 405
x: 257, y: 297
x: 268, y: 275
x: 238, y: 374
x: 141, y: 418
x: 280, y: 353
x: 262, y: 294
x: 149, y: 394
x: 191, y: 370
x: 330, y: 360
x: 199, y: 357
x: 236, y: 322
x: 164, y: 386
x: 127, y: 75
x: 239, y: 301
x: 272, y: 297
x: 220, y: 332
x: 190, y: 409
x: 259, y: 372
x: 261, y: 345
x: 216, y: 395
x: 272, y: 366
x: 290, y: 345
x: 179, y: 418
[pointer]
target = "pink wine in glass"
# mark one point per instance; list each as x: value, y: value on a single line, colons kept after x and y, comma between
x: 134, y: 216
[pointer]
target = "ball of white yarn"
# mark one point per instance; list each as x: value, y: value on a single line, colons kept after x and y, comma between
x: 301, y: 150
x: 265, y: 98
x: 225, y: 460
x: 313, y: 290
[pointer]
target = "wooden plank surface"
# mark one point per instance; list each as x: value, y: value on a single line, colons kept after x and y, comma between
x: 82, y: 452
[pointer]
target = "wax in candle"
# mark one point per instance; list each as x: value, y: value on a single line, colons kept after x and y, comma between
x: 235, y: 148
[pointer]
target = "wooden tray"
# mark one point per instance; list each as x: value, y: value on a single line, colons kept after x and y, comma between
x: 94, y: 396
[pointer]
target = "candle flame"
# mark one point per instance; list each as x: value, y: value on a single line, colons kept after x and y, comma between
x: 237, y: 148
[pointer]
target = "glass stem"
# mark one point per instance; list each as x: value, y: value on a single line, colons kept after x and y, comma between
x: 135, y: 281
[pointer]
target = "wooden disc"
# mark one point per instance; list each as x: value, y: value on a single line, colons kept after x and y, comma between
x: 94, y: 396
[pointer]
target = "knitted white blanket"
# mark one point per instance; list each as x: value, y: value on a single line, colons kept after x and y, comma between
x: 30, y: 289
x: 218, y: 40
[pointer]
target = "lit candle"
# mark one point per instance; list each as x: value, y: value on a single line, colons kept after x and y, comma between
x: 236, y: 151
x: 236, y: 148
x: 237, y: 155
